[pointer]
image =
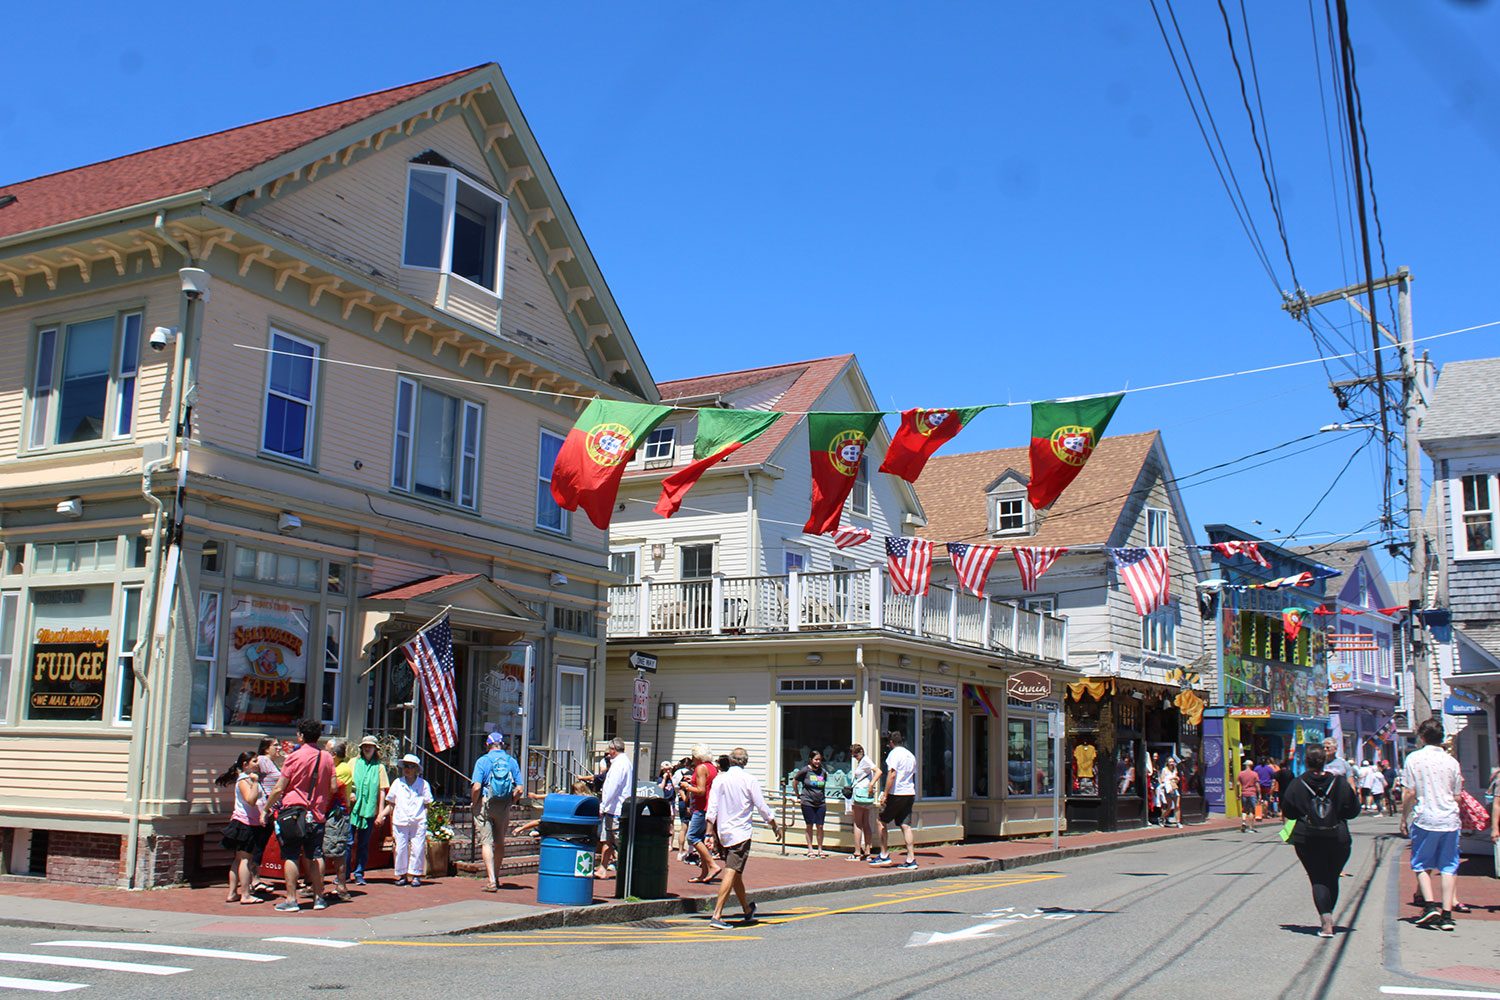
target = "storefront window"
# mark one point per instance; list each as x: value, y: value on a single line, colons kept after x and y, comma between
x: 69, y: 656
x: 828, y: 729
x: 935, y: 757
x: 9, y: 607
x: 266, y: 682
x: 280, y: 568
x: 333, y: 674
x: 206, y: 656
x: 129, y: 635
x: 1019, y: 770
x: 979, y: 764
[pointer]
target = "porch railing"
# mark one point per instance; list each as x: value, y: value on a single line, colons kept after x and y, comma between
x: 844, y: 599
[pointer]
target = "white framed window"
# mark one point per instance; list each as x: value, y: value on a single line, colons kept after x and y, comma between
x: 1159, y: 632
x: 548, y: 514
x: 291, y: 388
x: 1474, y: 532
x: 859, y: 497
x: 793, y: 560
x: 697, y: 561
x: 84, y: 380
x: 1046, y: 605
x: 333, y: 668
x: 660, y: 447
x: 623, y: 562
x: 1156, y: 527
x: 10, y: 606
x: 935, y: 754
x: 205, y: 659
x: 436, y: 449
x: 129, y: 635
x: 454, y: 225
x: 1009, y: 514
x: 1028, y: 755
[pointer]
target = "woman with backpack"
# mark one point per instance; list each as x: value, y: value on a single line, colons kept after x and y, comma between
x: 1322, y: 805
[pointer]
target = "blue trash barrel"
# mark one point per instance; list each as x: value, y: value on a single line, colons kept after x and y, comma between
x: 570, y: 835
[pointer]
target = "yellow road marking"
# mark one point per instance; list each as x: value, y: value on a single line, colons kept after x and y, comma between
x: 914, y: 896
x: 718, y: 937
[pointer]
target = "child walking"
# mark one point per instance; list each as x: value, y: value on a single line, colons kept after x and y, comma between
x: 409, y: 796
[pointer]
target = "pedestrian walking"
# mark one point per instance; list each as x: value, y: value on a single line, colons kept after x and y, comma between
x: 368, y: 807
x: 409, y: 797
x: 699, y: 786
x: 1322, y: 804
x: 682, y: 809
x: 494, y: 786
x: 1282, y: 780
x: 863, y: 803
x: 300, y: 800
x: 1432, y: 783
x: 811, y: 783
x: 618, y: 781
x: 1267, y: 775
x: 1371, y: 788
x: 336, y: 829
x: 1171, y: 798
x: 733, y: 803
x: 896, y: 801
x: 1391, y: 778
x: 1334, y: 764
x: 246, y: 833
x: 1249, y: 782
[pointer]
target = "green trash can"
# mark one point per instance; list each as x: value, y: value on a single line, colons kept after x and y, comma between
x: 650, y: 828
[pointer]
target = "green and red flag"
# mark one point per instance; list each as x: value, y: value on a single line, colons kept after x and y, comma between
x: 591, y: 461
x: 836, y: 442
x: 921, y: 433
x: 720, y: 434
x: 1063, y: 436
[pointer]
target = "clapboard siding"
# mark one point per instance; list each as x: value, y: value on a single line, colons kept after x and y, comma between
x: 65, y: 769
x: 703, y: 711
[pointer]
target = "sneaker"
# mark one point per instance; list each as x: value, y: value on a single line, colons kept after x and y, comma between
x: 721, y: 925
x: 288, y: 906
x: 359, y: 880
x: 1445, y: 922
x: 1430, y: 917
x: 750, y: 912
x: 909, y: 866
x: 882, y: 859
x: 320, y: 902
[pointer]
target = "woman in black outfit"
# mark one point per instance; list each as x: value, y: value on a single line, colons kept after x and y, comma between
x: 1322, y: 844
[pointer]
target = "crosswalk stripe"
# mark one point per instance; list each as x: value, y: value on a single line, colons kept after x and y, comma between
x: 316, y: 942
x: 92, y: 963
x: 38, y: 985
x: 165, y: 949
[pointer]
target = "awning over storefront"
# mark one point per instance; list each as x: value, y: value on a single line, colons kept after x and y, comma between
x: 472, y: 600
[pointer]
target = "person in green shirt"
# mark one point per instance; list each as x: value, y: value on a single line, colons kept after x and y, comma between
x: 368, y: 782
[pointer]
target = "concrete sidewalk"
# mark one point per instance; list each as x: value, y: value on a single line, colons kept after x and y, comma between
x: 456, y: 905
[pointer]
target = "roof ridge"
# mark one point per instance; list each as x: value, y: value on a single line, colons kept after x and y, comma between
x: 760, y: 368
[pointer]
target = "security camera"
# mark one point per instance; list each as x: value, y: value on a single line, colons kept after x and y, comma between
x: 161, y: 337
x: 194, y: 282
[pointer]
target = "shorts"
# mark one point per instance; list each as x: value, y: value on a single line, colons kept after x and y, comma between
x: 240, y: 838
x: 496, y: 817
x: 736, y: 855
x: 1265, y: 791
x: 311, y: 847
x: 897, y: 811
x: 684, y: 810
x: 1248, y: 802
x: 697, y: 827
x: 336, y: 834
x: 814, y: 815
x: 1434, y: 850
x: 611, y: 828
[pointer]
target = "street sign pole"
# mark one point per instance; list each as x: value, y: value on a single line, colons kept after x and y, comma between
x: 638, y: 711
x: 1056, y: 725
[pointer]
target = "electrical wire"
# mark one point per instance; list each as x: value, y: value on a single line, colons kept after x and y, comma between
x: 1337, y: 477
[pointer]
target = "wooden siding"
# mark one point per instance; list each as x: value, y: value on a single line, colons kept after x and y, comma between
x: 209, y: 757
x: 65, y: 771
x: 702, y: 695
x: 1473, y: 584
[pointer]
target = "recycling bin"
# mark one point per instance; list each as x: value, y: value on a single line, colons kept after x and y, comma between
x: 569, y: 830
x: 650, y: 828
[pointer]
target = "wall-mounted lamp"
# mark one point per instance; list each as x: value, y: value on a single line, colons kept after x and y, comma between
x: 944, y: 667
x: 71, y: 508
x: 814, y: 658
x: 658, y: 551
x: 557, y: 579
x: 731, y: 703
x: 288, y: 522
x: 904, y: 661
x: 666, y: 710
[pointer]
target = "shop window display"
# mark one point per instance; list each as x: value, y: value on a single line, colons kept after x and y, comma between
x: 826, y: 729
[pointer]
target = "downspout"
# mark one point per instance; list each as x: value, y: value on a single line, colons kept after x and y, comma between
x: 864, y: 693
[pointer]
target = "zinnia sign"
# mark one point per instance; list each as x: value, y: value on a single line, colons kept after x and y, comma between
x: 1028, y: 685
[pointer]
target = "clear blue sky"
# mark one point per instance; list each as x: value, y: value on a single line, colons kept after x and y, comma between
x: 985, y: 202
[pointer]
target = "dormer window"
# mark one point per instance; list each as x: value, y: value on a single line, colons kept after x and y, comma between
x: 454, y: 225
x: 660, y: 446
x: 1010, y: 514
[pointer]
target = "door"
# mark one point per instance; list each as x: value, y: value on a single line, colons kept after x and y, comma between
x: 572, y: 710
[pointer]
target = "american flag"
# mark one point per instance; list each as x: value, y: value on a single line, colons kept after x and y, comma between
x: 1231, y: 549
x: 909, y: 561
x: 430, y: 656
x: 846, y: 537
x: 972, y: 564
x: 1034, y: 562
x: 1144, y: 573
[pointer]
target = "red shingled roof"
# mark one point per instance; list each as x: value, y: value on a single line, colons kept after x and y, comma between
x: 813, y: 379
x: 186, y: 166
x: 420, y: 588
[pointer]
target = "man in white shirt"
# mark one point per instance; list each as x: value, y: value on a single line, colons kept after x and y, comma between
x: 618, y: 781
x: 896, y: 800
x: 732, y: 804
x: 1429, y: 809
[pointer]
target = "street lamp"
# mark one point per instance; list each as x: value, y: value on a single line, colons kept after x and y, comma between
x: 1347, y: 427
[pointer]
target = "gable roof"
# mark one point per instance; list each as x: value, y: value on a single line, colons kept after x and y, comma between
x: 813, y: 378
x: 952, y: 491
x: 1463, y: 403
x: 191, y: 165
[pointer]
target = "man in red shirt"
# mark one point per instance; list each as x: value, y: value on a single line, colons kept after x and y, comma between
x: 1249, y: 790
x: 307, y: 782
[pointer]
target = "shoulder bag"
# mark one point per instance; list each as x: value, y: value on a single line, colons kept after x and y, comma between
x: 291, y: 821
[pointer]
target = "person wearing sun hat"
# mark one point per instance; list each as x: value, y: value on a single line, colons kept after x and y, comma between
x: 369, y: 783
x: 492, y: 811
x: 409, y: 796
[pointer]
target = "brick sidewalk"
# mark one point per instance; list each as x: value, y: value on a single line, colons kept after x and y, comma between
x: 1477, y: 888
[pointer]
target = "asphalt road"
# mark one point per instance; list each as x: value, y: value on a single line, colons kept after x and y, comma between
x: 1217, y: 917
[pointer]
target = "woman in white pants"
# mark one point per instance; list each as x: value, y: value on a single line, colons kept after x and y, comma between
x: 408, y: 797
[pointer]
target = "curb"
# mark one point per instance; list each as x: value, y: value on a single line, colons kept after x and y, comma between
x: 623, y: 912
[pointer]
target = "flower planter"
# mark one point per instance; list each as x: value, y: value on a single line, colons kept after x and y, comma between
x: 437, y: 858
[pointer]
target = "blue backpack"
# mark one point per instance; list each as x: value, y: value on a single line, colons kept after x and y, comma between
x: 502, y: 777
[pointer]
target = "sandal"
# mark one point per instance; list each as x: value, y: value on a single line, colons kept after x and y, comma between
x: 251, y: 901
x: 489, y: 888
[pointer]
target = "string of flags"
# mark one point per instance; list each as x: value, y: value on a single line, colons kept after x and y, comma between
x: 591, y: 462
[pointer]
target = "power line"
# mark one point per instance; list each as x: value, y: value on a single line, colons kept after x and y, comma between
x: 1336, y: 478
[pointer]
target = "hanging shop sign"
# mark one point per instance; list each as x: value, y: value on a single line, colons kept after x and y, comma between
x: 67, y: 673
x: 1028, y: 686
x: 1240, y: 712
x: 267, y: 678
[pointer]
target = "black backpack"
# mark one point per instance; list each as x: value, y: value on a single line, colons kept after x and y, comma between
x: 1321, y: 814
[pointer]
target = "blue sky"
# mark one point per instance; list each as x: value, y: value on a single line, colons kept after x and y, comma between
x: 985, y: 202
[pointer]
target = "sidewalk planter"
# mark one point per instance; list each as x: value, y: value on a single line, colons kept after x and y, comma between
x: 438, y: 855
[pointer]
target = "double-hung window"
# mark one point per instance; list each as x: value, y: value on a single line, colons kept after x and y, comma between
x: 453, y: 225
x: 84, y: 380
x: 1156, y: 527
x: 548, y: 514
x: 291, y: 388
x: 859, y: 497
x: 1010, y: 514
x: 436, y: 450
x: 1159, y: 632
x: 1476, y: 529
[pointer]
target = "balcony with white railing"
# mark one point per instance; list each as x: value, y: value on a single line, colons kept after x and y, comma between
x: 843, y: 600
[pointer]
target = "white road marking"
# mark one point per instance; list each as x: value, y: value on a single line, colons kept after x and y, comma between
x: 1008, y: 918
x: 317, y: 942
x: 165, y: 949
x: 1413, y: 991
x: 38, y: 985
x: 93, y: 963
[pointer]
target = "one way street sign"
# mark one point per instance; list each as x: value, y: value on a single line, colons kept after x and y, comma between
x: 643, y: 661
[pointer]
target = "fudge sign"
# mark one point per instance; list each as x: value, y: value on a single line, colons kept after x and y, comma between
x: 1028, y: 685
x: 67, y: 674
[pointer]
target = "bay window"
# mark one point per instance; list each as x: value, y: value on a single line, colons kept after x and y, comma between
x: 453, y: 225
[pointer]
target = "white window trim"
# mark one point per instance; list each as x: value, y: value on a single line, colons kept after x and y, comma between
x: 8, y: 677
x: 634, y: 552
x: 1456, y: 507
x: 562, y: 528
x: 114, y: 396
x: 453, y: 177
x: 867, y: 491
x: 713, y: 558
x: 1027, y: 514
x: 1166, y: 527
x: 338, y: 681
x: 465, y: 454
x: 126, y: 650
x: 310, y: 433
x: 1165, y: 621
x: 953, y: 748
x: 667, y: 442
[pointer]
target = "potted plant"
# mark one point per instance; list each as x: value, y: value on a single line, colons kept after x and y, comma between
x: 439, y: 837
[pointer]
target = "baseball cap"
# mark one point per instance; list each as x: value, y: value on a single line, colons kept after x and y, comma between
x: 495, y: 737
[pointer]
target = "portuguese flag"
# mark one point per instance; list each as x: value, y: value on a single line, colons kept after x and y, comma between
x: 720, y: 434
x: 592, y: 459
x: 923, y: 432
x: 836, y: 442
x: 1063, y: 436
